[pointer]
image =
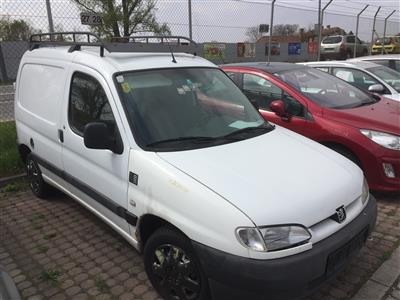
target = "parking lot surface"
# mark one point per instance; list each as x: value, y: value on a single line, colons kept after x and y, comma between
x: 56, y: 249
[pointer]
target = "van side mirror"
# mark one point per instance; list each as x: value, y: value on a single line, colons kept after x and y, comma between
x: 376, y: 88
x: 97, y: 135
x: 278, y: 107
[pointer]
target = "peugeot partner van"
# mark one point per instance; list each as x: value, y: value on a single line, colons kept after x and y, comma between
x: 167, y: 150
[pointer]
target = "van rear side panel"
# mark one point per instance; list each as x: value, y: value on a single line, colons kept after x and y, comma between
x: 40, y: 92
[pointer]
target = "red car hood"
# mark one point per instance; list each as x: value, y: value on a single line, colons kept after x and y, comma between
x: 381, y: 116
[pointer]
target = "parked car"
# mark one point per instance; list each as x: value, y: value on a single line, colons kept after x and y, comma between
x: 391, y: 45
x: 361, y: 126
x: 341, y: 47
x: 367, y: 76
x: 169, y: 152
x: 388, y: 60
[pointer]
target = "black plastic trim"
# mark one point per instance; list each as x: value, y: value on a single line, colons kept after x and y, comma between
x: 233, y: 277
x: 103, y: 200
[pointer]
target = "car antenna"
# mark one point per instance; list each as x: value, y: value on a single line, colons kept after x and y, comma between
x: 170, y: 49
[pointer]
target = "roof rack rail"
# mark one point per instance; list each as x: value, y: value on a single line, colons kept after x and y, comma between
x: 152, y: 43
x: 76, y: 39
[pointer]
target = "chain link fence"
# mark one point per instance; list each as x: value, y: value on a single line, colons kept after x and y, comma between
x: 221, y: 25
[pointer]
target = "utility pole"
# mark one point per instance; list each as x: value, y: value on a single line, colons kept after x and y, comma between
x: 321, y: 19
x: 384, y: 30
x: 319, y: 30
x: 190, y: 18
x: 358, y: 22
x: 49, y: 16
x: 271, y: 26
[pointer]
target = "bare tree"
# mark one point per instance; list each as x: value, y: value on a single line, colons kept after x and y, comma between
x: 253, y: 34
x: 285, y: 29
x: 121, y: 18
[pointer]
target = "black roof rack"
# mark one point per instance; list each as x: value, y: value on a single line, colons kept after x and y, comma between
x: 77, y: 39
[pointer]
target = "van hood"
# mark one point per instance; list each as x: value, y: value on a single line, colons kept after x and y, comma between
x: 380, y: 116
x: 276, y: 178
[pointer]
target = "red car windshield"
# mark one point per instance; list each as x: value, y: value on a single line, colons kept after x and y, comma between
x: 324, y: 89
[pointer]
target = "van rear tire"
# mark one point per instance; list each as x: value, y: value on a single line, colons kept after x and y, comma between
x: 37, y: 185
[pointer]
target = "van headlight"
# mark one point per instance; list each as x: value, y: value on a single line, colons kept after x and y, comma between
x: 365, y: 192
x: 386, y: 140
x: 273, y: 238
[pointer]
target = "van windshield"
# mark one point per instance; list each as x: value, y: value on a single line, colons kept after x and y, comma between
x: 324, y: 89
x: 187, y: 108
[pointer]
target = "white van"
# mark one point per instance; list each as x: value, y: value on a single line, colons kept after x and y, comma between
x: 167, y: 150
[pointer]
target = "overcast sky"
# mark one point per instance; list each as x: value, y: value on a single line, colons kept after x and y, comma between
x: 226, y: 20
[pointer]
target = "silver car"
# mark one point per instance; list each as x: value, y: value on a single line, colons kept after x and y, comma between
x: 341, y: 47
x: 364, y: 75
x: 388, y: 60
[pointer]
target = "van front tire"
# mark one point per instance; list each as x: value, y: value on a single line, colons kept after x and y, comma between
x: 38, y: 186
x: 173, y: 268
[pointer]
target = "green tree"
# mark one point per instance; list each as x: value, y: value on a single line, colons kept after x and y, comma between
x: 121, y: 18
x: 15, y: 30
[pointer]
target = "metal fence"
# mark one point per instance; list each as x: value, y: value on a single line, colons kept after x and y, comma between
x: 217, y: 24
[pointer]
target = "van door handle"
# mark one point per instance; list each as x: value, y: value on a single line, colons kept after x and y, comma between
x: 61, y: 135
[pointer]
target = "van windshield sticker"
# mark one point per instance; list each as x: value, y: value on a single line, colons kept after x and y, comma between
x: 120, y: 79
x: 125, y: 87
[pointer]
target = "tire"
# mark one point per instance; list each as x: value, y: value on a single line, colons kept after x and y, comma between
x: 38, y: 186
x: 173, y: 268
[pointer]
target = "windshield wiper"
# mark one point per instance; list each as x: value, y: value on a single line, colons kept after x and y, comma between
x: 192, y: 139
x: 263, y: 128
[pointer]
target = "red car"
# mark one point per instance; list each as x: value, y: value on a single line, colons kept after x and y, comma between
x: 363, y: 127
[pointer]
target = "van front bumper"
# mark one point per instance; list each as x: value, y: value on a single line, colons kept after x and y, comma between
x: 233, y: 277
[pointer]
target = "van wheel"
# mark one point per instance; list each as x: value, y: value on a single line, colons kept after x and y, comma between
x: 173, y: 268
x: 38, y: 186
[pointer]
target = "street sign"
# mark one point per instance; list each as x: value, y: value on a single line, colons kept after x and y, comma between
x: 89, y: 18
x: 264, y: 28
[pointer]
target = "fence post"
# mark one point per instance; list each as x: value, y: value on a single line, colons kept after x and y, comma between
x: 271, y: 27
x: 3, y: 69
x: 319, y: 30
x: 384, y: 31
x: 190, y: 19
x: 49, y: 16
x: 321, y: 19
x: 358, y: 21
x: 373, y: 30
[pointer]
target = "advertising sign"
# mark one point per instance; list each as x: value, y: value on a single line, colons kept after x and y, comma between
x: 294, y: 48
x: 214, y: 50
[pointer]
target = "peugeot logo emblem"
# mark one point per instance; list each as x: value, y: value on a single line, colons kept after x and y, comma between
x: 340, y: 214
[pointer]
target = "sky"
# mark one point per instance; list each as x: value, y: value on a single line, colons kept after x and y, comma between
x: 227, y: 20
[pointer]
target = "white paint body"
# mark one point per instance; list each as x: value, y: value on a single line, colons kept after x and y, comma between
x: 277, y: 178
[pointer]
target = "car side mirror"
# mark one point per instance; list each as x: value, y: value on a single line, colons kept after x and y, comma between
x: 97, y: 135
x: 376, y: 88
x: 278, y: 107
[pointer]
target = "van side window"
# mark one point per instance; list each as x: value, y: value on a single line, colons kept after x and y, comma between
x: 88, y: 103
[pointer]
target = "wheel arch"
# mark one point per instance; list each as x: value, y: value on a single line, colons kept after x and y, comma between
x: 148, y: 224
x: 338, y: 147
x: 23, y: 150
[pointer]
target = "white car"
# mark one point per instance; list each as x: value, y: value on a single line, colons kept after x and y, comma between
x: 364, y: 75
x: 168, y: 151
x: 388, y: 60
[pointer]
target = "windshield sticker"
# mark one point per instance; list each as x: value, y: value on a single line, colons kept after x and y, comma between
x: 125, y: 87
x: 120, y: 79
x: 242, y: 124
x: 181, y: 91
x: 186, y: 88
